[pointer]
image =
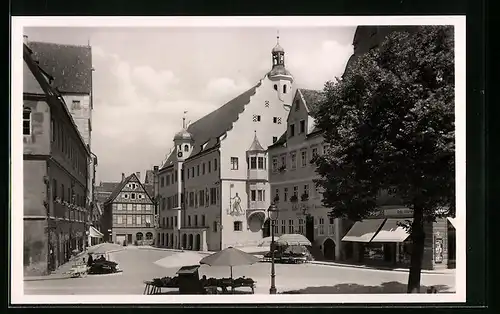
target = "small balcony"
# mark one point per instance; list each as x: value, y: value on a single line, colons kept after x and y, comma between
x: 257, y: 205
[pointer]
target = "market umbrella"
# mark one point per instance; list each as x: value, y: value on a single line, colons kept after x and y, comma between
x: 266, y: 241
x: 180, y: 259
x: 229, y: 257
x: 293, y: 239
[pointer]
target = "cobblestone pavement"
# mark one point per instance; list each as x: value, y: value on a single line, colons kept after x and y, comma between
x: 138, y: 265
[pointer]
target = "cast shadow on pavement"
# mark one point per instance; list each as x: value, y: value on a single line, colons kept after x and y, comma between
x: 352, y: 288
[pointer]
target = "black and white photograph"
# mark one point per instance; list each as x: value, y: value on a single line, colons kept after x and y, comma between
x: 279, y: 159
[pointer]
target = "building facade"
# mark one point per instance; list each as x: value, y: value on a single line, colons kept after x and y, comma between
x: 71, y: 67
x: 55, y: 174
x: 213, y: 187
x: 129, y: 214
x: 291, y: 178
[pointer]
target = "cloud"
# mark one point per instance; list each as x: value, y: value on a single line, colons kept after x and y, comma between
x: 314, y: 66
x: 224, y: 89
x: 136, y: 114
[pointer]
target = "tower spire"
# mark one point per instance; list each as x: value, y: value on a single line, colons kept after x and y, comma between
x: 278, y: 37
x: 184, y: 120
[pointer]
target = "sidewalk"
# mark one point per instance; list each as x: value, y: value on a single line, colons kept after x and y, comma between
x: 61, y: 272
x: 403, y: 270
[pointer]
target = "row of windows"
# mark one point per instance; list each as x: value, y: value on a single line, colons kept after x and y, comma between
x: 291, y: 226
x: 202, y: 169
x: 294, y: 196
x: 131, y: 207
x: 134, y: 196
x: 302, y: 128
x: 257, y: 118
x: 192, y: 221
x: 195, y: 199
x: 280, y: 163
x: 256, y: 163
x: 132, y: 220
x: 74, y: 215
x: 258, y: 195
x: 67, y: 194
x: 65, y: 143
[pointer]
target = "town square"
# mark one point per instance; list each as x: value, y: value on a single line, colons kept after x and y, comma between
x: 240, y: 160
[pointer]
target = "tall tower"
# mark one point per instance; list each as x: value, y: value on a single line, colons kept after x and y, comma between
x: 183, y: 141
x: 281, y: 77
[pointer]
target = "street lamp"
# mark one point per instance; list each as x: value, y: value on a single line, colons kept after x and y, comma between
x: 273, y: 215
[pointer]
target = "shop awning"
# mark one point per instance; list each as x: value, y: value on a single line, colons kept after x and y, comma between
x: 363, y: 231
x: 392, y: 232
x: 94, y: 233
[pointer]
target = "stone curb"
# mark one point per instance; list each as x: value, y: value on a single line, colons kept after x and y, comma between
x: 172, y: 250
x: 401, y: 270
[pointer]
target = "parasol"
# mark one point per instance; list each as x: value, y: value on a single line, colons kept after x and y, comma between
x: 293, y: 239
x: 230, y: 257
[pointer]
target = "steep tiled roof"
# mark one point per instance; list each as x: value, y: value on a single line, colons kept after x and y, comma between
x: 208, y: 129
x: 107, y: 186
x: 312, y: 98
x: 53, y: 97
x: 118, y: 188
x: 149, y: 177
x: 70, y: 65
x: 148, y: 188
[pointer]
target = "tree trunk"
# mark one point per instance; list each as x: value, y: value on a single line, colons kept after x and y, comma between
x: 418, y: 237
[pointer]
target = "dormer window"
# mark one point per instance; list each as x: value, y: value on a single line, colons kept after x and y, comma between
x: 302, y: 126
x: 292, y: 130
x: 132, y: 196
x: 186, y: 148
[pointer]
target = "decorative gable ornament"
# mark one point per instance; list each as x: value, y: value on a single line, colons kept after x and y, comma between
x: 266, y: 103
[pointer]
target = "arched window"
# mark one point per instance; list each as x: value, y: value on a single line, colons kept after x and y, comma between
x: 149, y: 236
x: 275, y: 86
x: 186, y: 148
x: 138, y: 236
x: 26, y: 121
x: 284, y: 89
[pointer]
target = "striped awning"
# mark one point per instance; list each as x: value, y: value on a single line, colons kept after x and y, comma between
x: 94, y: 233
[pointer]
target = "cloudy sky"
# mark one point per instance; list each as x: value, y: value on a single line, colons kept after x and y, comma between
x: 146, y: 77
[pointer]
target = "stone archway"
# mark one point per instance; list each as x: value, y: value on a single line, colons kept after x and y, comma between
x: 255, y: 221
x: 197, y: 246
x: 266, y: 229
x: 184, y: 241
x: 190, y: 244
x: 329, y: 249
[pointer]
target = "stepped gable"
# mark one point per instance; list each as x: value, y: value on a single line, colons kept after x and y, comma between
x: 208, y: 129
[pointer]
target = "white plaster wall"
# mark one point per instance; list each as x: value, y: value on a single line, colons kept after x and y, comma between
x: 237, y: 142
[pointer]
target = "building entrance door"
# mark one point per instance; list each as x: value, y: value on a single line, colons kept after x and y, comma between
x: 266, y: 230
x: 129, y: 238
x: 310, y: 228
x: 120, y: 238
x: 329, y: 249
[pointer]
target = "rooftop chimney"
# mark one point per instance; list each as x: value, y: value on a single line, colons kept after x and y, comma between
x: 123, y: 176
x: 138, y: 175
x: 25, y: 39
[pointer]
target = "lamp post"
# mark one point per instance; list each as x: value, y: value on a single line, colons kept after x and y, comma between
x: 273, y: 215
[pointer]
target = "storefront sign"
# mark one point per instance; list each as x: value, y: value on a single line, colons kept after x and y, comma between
x: 398, y: 212
x: 438, y: 250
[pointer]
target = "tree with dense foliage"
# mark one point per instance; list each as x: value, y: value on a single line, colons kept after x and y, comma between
x: 389, y: 123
